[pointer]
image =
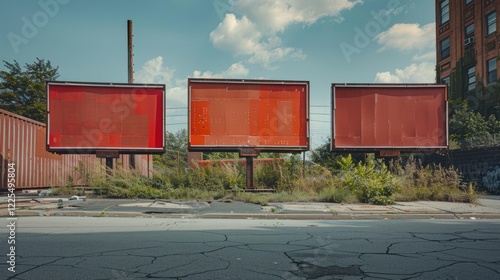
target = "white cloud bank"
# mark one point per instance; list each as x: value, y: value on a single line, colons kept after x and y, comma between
x: 407, y: 37
x: 154, y: 71
x: 410, y: 38
x: 415, y: 73
x: 256, y: 34
x: 236, y: 70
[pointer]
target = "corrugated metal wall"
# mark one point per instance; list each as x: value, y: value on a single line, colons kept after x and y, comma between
x: 23, y: 142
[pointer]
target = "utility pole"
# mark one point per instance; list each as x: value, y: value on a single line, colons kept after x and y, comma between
x: 130, y: 47
x: 130, y: 52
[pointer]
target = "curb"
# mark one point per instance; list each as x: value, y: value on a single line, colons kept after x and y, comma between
x: 278, y: 216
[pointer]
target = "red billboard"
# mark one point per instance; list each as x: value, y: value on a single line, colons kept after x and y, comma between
x: 90, y: 117
x: 258, y: 114
x: 389, y: 116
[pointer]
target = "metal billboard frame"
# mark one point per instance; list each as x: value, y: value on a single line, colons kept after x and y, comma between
x: 250, y: 150
x: 389, y: 150
x: 107, y: 150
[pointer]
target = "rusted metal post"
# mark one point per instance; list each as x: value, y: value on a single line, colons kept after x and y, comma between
x: 249, y: 161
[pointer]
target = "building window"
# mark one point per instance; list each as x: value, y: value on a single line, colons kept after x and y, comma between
x: 468, y: 2
x: 491, y: 68
x: 445, y: 48
x: 491, y: 23
x: 469, y: 30
x: 471, y: 78
x: 444, y: 11
x: 469, y: 35
x: 446, y: 80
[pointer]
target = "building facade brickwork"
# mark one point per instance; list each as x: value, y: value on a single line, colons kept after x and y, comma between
x: 468, y: 51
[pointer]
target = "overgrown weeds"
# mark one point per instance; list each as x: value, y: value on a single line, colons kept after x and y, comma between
x: 431, y: 182
x: 367, y: 181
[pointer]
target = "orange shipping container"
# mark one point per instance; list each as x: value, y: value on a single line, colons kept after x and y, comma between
x: 23, y: 145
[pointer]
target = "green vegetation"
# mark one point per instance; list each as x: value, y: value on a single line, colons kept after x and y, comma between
x: 470, y: 129
x: 342, y: 180
x: 370, y: 181
x: 23, y: 91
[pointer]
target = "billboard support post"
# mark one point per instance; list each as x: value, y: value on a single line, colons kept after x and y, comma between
x: 249, y: 154
x: 109, y: 165
x: 109, y: 155
x: 249, y: 169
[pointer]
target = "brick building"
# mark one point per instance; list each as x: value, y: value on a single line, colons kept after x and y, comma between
x: 468, y: 51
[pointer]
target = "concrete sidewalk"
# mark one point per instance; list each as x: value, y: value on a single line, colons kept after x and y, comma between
x: 488, y: 207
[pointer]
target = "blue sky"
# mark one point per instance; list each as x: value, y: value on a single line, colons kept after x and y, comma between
x: 321, y: 41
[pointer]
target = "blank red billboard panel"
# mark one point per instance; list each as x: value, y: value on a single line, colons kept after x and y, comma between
x: 389, y: 116
x: 233, y: 114
x: 85, y: 117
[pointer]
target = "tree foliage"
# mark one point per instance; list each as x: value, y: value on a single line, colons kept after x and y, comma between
x: 471, y: 129
x: 322, y: 156
x: 23, y: 91
x: 176, y: 151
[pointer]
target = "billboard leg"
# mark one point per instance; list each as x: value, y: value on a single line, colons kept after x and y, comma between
x: 249, y: 173
x: 109, y: 165
x: 249, y: 154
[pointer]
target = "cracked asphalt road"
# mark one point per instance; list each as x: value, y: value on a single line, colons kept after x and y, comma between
x: 145, y: 248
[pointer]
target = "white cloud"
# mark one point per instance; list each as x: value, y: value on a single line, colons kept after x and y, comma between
x: 236, y: 70
x: 255, y: 35
x: 239, y: 36
x: 423, y: 72
x: 177, y: 92
x: 410, y: 38
x: 428, y: 56
x: 153, y: 71
x: 407, y: 36
x: 276, y: 16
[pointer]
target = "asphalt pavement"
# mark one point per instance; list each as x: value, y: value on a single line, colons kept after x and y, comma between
x: 487, y: 207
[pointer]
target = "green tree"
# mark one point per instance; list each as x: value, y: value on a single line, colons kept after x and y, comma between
x: 323, y: 156
x: 471, y: 129
x: 23, y: 91
x: 175, y: 156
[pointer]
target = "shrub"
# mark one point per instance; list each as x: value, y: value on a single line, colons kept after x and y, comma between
x: 371, y: 182
x: 267, y: 176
